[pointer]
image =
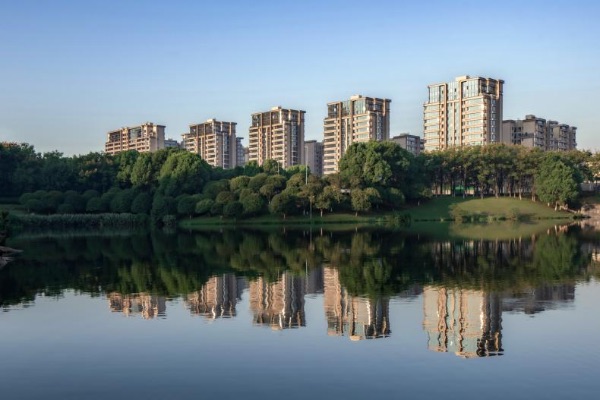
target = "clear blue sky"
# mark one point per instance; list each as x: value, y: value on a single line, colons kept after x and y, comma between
x: 70, y: 71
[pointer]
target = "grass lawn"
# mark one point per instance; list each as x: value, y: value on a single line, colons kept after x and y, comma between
x: 329, y: 219
x: 438, y: 208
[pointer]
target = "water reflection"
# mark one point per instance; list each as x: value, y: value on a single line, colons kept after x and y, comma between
x: 353, y: 316
x: 217, y: 298
x: 146, y: 305
x: 466, y: 322
x: 279, y: 304
x: 465, y: 285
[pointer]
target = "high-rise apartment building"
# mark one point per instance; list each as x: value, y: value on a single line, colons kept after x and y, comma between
x: 277, y: 135
x: 313, y: 156
x: 410, y: 143
x: 214, y: 141
x: 360, y: 119
x: 465, y: 112
x: 539, y: 133
x: 144, y: 138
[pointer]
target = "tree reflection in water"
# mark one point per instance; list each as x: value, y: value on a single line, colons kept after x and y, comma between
x: 466, y: 285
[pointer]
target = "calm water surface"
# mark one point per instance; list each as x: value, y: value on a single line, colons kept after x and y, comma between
x: 299, y: 314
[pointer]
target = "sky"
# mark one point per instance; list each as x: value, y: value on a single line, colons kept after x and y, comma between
x: 70, y: 71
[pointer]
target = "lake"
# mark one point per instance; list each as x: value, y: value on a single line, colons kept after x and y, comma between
x: 294, y: 314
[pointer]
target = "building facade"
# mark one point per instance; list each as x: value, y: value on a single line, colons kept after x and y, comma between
x: 313, y: 156
x: 535, y: 132
x: 411, y: 143
x: 277, y: 135
x: 144, y: 138
x: 465, y: 112
x: 360, y: 119
x: 214, y: 141
x: 241, y: 150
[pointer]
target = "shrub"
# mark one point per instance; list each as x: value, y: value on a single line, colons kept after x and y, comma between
x: 95, y: 205
x: 233, y: 209
x: 142, y: 203
x: 204, y: 206
x: 65, y: 209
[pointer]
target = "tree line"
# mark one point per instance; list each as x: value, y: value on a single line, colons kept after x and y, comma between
x: 173, y: 183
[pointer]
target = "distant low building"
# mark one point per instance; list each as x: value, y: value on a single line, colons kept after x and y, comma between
x: 241, y: 151
x: 535, y: 132
x: 411, y: 143
x: 171, y: 143
x: 144, y: 138
x: 313, y: 156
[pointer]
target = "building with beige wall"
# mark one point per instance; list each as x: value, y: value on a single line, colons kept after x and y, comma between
x: 214, y: 141
x: 535, y: 132
x: 144, y: 138
x: 359, y: 119
x: 465, y: 112
x: 277, y: 135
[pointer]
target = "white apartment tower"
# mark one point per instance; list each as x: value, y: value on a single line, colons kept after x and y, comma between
x: 465, y: 112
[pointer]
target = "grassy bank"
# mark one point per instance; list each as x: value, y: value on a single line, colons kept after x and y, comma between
x: 437, y: 209
x: 328, y: 219
x: 491, y: 208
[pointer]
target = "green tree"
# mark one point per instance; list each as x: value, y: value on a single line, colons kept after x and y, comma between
x: 186, y: 205
x: 363, y: 200
x: 204, y: 206
x: 122, y: 201
x: 142, y: 203
x: 233, y: 209
x: 271, y: 167
x: 257, y: 181
x: 252, y: 204
x: 161, y: 207
x: 125, y: 162
x: 238, y: 183
x: 213, y: 188
x: 94, y: 205
x: 75, y: 201
x: 183, y: 173
x: 282, y: 203
x: 557, y: 183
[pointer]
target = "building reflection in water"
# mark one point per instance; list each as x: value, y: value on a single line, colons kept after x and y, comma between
x: 147, y: 305
x: 466, y: 322
x: 356, y: 317
x: 469, y: 322
x: 280, y: 304
x: 217, y: 298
